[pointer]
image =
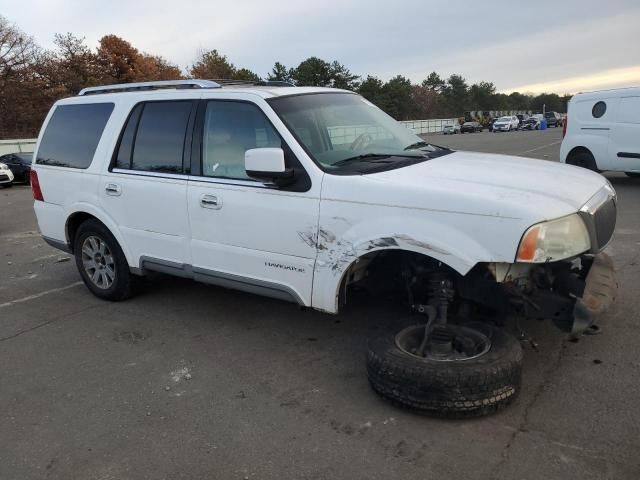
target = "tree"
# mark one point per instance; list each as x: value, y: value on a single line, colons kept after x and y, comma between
x: 280, y: 73
x: 424, y: 101
x: 117, y: 59
x: 246, y: 74
x: 481, y: 95
x: 154, y: 67
x: 17, y: 49
x: 434, y: 82
x: 456, y: 92
x: 212, y: 64
x: 398, y: 92
x: 372, y: 89
x: 341, y: 77
x: 312, y: 72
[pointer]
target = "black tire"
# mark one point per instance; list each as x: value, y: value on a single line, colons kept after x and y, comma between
x: 583, y: 159
x: 27, y: 178
x: 632, y: 174
x: 122, y: 286
x: 466, y: 388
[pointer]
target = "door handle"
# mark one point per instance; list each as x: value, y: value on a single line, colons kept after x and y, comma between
x: 113, y: 189
x: 211, y: 201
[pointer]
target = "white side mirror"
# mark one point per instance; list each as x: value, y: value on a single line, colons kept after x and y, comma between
x: 267, y: 165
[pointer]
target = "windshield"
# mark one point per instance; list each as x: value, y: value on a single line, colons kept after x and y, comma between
x: 344, y: 131
x: 504, y: 119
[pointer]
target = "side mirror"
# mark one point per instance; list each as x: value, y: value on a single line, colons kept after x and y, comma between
x: 267, y: 165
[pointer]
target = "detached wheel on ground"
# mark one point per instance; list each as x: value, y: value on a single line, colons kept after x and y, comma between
x: 632, y: 174
x: 101, y: 262
x: 465, y: 371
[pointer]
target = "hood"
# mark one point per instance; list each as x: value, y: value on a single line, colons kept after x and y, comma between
x: 490, y: 184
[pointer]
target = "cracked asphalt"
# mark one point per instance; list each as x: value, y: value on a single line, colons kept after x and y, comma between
x: 193, y: 381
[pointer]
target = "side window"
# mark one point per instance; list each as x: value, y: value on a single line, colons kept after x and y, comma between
x: 72, y: 135
x: 598, y: 109
x: 230, y: 129
x: 153, y: 139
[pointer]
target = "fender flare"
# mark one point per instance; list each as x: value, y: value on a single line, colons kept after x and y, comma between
x: 82, y: 207
x: 330, y: 272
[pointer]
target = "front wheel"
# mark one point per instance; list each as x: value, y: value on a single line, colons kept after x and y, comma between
x: 102, y: 265
x: 469, y: 371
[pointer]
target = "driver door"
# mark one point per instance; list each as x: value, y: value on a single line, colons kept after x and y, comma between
x: 244, y: 234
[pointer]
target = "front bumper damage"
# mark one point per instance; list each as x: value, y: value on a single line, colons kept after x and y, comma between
x: 571, y: 294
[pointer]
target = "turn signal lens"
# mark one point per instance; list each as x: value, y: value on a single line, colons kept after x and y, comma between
x: 528, y: 245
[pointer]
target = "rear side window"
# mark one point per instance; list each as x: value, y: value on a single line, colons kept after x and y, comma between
x: 72, y: 135
x: 154, y: 137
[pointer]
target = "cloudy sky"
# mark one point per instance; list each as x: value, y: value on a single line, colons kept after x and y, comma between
x: 561, y: 46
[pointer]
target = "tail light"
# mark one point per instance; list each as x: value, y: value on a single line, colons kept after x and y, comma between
x: 564, y: 126
x: 35, y: 186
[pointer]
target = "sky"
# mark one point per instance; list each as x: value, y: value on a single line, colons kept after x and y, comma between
x: 561, y: 46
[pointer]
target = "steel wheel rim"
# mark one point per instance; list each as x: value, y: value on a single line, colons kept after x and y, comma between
x: 410, y: 338
x: 98, y: 262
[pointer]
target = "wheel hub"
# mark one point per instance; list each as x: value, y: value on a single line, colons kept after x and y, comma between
x: 444, y: 343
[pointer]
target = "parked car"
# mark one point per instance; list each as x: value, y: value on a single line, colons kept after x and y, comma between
x: 451, y: 129
x: 522, y: 117
x: 19, y: 164
x: 471, y: 127
x: 506, y: 124
x: 602, y: 131
x: 6, y: 176
x: 249, y: 187
x: 531, y: 123
x: 554, y: 119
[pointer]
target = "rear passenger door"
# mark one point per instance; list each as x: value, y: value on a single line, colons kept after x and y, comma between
x: 624, y: 140
x: 145, y: 190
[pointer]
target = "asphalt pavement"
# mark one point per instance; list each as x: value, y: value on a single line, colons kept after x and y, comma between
x: 193, y: 381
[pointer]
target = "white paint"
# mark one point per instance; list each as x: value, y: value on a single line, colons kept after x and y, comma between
x: 38, y: 295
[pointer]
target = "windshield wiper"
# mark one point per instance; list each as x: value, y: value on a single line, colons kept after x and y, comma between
x: 373, y: 158
x: 413, y: 146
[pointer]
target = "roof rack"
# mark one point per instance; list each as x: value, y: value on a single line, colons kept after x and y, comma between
x: 258, y: 83
x: 132, y: 87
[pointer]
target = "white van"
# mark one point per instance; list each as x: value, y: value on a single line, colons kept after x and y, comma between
x: 602, y: 131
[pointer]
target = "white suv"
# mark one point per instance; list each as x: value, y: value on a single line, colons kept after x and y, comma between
x: 509, y: 123
x: 302, y: 193
x: 602, y: 131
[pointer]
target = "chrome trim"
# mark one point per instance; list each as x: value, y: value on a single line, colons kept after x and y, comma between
x: 221, y: 279
x: 192, y: 178
x: 588, y: 214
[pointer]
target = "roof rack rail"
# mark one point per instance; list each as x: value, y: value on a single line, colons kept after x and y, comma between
x: 259, y: 83
x: 141, y: 86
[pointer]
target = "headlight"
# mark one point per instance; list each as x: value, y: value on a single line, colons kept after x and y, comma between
x: 3, y: 166
x: 554, y: 240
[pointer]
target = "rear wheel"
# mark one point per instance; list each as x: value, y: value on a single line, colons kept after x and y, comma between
x: 102, y: 265
x: 463, y: 371
x: 583, y: 159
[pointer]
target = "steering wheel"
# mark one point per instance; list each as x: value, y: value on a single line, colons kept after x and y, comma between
x: 361, y: 142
